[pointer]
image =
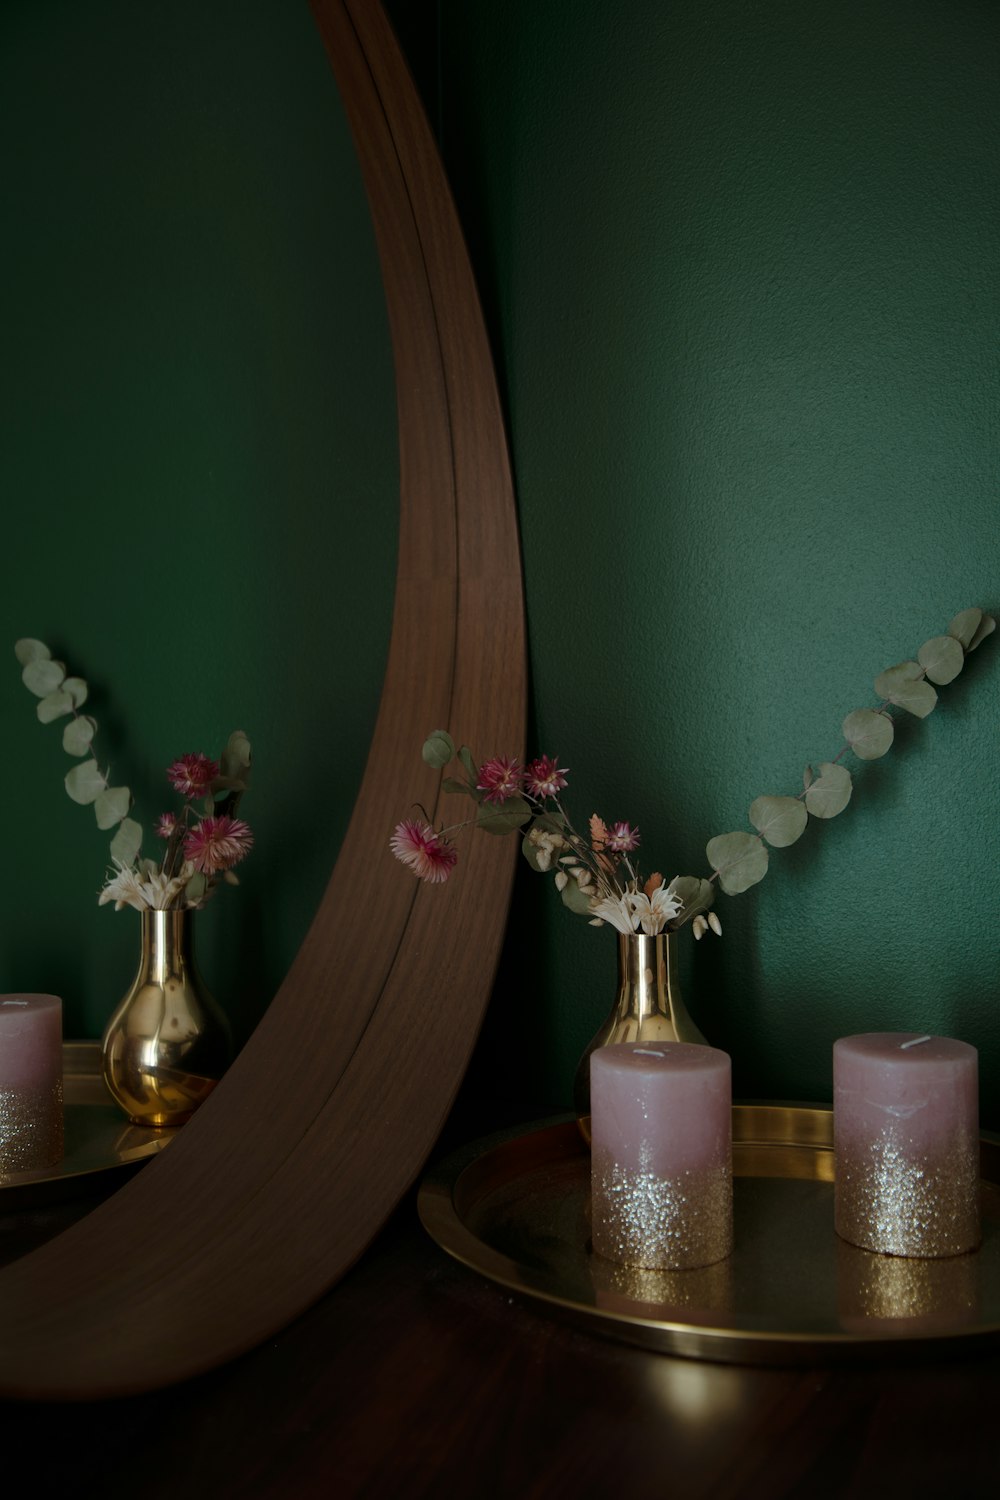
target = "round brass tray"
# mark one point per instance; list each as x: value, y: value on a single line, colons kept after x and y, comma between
x: 515, y: 1207
x: 98, y: 1137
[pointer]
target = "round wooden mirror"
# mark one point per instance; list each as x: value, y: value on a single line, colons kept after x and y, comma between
x: 284, y: 1176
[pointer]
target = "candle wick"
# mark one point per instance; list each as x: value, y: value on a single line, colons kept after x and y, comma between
x: 915, y: 1043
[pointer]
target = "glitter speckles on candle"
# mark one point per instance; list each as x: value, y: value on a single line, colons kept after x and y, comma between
x: 897, y: 1203
x: 31, y: 1128
x: 662, y: 1223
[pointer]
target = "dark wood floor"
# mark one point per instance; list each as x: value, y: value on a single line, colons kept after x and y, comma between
x: 415, y: 1377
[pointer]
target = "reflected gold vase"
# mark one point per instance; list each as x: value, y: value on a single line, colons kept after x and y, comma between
x: 168, y: 1043
x: 648, y: 1008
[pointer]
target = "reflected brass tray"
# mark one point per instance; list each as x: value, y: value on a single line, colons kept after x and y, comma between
x: 516, y: 1206
x: 98, y: 1137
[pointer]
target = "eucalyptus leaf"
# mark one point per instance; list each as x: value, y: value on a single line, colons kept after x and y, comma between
x: 550, y: 822
x: 781, y: 820
x: 531, y: 851
x: 439, y: 749
x: 230, y: 783
x: 43, y: 676
x: 127, y: 841
x: 807, y: 777
x: 77, y: 689
x: 740, y: 860
x: 942, y: 658
x: 575, y: 899
x: 234, y: 762
x: 451, y: 784
x: 868, y: 732
x: 964, y: 626
x: 465, y: 756
x: 78, y: 734
x: 504, y: 817
x: 694, y: 894
x: 987, y: 625
x: 194, y: 891
x: 85, y: 782
x: 830, y: 792
x: 27, y: 650
x: 904, y: 686
x: 54, y: 706
x: 111, y: 805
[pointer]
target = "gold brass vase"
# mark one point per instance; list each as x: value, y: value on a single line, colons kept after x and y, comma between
x: 648, y: 1008
x: 168, y: 1043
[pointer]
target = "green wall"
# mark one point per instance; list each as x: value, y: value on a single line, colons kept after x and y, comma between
x: 199, y: 466
x: 739, y: 263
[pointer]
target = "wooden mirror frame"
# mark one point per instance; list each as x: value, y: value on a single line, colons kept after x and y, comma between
x: 290, y: 1168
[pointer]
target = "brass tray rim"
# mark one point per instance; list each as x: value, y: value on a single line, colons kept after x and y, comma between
x: 442, y: 1219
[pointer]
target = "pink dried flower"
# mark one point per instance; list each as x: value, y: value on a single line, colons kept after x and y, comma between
x: 192, y: 775
x: 167, y: 825
x: 427, y: 854
x: 545, y: 778
x: 622, y: 839
x: 217, y: 844
x: 500, y: 778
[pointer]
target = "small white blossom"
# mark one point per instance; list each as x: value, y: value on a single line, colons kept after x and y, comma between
x: 124, y: 889
x: 616, y: 910
x: 562, y: 880
x: 159, y: 891
x: 714, y: 923
x: 653, y: 914
x: 546, y: 845
x: 699, y: 927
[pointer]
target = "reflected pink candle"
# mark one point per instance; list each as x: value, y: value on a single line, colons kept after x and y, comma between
x: 31, y: 1082
x: 661, y: 1154
x: 906, y: 1143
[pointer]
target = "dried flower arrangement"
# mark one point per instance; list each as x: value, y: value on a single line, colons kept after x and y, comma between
x: 203, y: 840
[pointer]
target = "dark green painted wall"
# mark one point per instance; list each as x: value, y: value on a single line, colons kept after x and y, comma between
x: 740, y: 267
x: 199, y: 467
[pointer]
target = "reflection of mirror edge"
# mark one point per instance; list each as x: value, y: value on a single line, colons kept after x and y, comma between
x: 287, y: 1172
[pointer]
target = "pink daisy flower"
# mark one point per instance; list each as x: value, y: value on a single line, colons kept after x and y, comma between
x: 622, y: 839
x: 166, y: 826
x: 544, y: 778
x: 192, y: 775
x: 500, y: 778
x: 217, y: 844
x: 427, y: 854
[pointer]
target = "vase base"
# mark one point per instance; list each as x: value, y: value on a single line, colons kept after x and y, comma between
x: 158, y: 1102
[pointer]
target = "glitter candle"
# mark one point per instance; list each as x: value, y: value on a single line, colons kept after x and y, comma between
x: 906, y: 1143
x: 31, y: 1083
x: 661, y: 1154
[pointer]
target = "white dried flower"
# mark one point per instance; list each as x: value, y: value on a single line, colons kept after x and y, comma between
x: 616, y: 910
x: 714, y: 923
x: 545, y: 844
x: 699, y: 927
x: 124, y: 889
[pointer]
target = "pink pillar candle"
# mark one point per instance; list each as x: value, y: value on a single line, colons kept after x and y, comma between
x: 906, y: 1143
x: 661, y: 1154
x: 31, y: 1083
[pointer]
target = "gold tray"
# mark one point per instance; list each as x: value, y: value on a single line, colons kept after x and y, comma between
x: 515, y: 1207
x: 98, y: 1137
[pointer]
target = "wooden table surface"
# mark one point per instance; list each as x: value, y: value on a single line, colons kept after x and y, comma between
x: 416, y: 1377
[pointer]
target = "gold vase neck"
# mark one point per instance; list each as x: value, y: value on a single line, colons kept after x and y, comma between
x: 171, y: 926
x: 647, y: 974
x: 166, y: 942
